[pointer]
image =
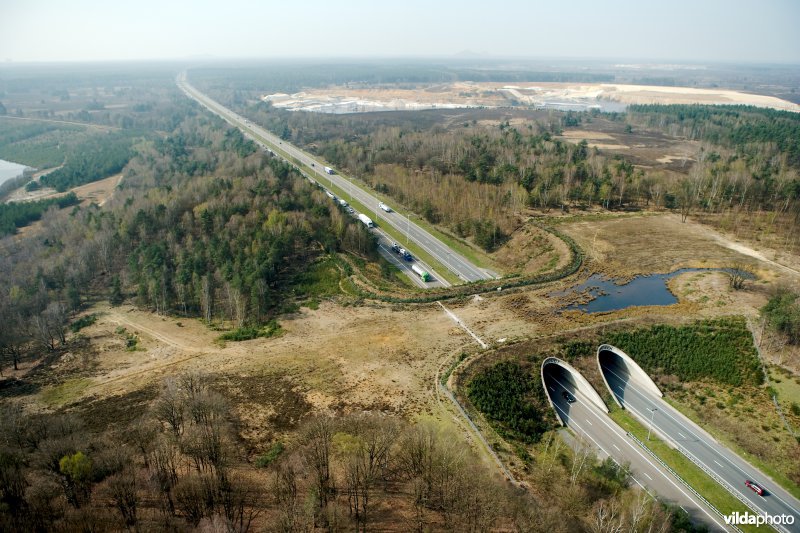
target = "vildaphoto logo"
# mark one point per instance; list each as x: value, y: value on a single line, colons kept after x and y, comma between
x: 747, y: 519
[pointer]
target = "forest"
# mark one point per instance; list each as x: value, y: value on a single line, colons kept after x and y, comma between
x: 203, y: 225
x: 474, y: 178
x: 745, y: 128
x: 177, y: 466
x: 98, y: 158
x: 782, y: 313
x: 19, y: 214
x: 289, y: 77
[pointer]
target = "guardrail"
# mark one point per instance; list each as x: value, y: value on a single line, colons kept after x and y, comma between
x: 727, y: 486
x: 679, y: 478
x: 488, y: 446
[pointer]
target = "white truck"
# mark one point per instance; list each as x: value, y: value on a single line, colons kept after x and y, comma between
x: 385, y: 207
x: 421, y: 273
x: 366, y: 220
x: 329, y: 170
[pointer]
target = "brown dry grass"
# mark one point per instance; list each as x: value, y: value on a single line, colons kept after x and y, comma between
x: 377, y: 357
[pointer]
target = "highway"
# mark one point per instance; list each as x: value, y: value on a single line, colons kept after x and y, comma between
x: 385, y: 249
x: 587, y: 420
x: 722, y: 464
x: 442, y: 253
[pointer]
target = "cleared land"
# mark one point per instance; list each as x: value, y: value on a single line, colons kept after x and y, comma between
x: 96, y: 192
x: 469, y: 94
x: 344, y: 357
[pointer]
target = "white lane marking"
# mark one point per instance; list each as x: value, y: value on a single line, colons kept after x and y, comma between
x: 751, y: 499
x: 682, y: 435
x: 617, y: 447
x: 648, y: 476
x: 587, y: 421
x: 551, y: 388
x: 361, y: 194
x: 618, y: 432
x: 718, y: 463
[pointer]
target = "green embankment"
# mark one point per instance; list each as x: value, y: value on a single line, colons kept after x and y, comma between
x: 701, y: 482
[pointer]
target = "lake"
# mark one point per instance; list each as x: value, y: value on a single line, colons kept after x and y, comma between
x: 612, y: 295
x: 9, y: 170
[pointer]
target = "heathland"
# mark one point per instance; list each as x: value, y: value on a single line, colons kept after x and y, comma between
x: 211, y: 342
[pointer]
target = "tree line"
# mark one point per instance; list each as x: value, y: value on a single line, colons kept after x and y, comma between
x: 102, y: 156
x: 196, y: 230
x: 179, y: 465
x: 18, y: 214
x: 468, y: 176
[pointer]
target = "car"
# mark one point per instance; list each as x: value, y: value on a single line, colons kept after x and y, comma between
x: 385, y: 207
x: 569, y: 397
x: 396, y: 248
x: 405, y: 255
x: 350, y: 210
x: 755, y: 487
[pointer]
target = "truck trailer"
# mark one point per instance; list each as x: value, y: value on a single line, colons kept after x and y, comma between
x: 366, y: 220
x: 421, y: 273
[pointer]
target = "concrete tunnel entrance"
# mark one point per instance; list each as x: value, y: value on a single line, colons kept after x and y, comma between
x: 619, y: 371
x: 564, y: 385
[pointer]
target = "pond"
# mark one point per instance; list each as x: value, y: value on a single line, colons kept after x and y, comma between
x: 612, y: 295
x: 10, y: 170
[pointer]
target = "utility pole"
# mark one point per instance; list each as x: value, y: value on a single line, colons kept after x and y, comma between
x: 652, y: 413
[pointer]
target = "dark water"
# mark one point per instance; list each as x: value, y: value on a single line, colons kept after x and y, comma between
x: 609, y: 295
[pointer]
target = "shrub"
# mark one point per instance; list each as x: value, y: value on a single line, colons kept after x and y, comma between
x: 721, y: 350
x: 246, y: 333
x: 83, y: 322
x: 511, y: 400
x: 263, y: 461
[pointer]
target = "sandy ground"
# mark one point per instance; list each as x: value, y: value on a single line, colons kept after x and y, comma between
x: 595, y: 139
x: 387, y: 358
x: 498, y: 94
x: 365, y: 357
x: 97, y: 191
x: 384, y: 357
x: 616, y: 245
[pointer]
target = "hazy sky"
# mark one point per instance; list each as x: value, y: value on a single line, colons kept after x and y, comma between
x: 686, y: 30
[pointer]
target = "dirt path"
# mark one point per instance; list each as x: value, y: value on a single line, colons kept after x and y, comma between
x: 740, y: 248
x: 120, y: 318
x: 97, y: 126
x: 97, y: 191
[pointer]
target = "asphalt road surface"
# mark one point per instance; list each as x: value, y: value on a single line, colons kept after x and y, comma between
x: 717, y: 460
x: 588, y: 421
x: 453, y: 261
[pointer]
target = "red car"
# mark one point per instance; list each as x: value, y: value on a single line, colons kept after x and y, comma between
x: 755, y: 486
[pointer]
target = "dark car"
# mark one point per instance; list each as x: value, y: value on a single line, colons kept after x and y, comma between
x: 396, y: 248
x: 569, y: 397
x: 758, y: 489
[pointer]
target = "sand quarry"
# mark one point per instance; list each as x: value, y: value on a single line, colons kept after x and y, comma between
x: 466, y: 94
